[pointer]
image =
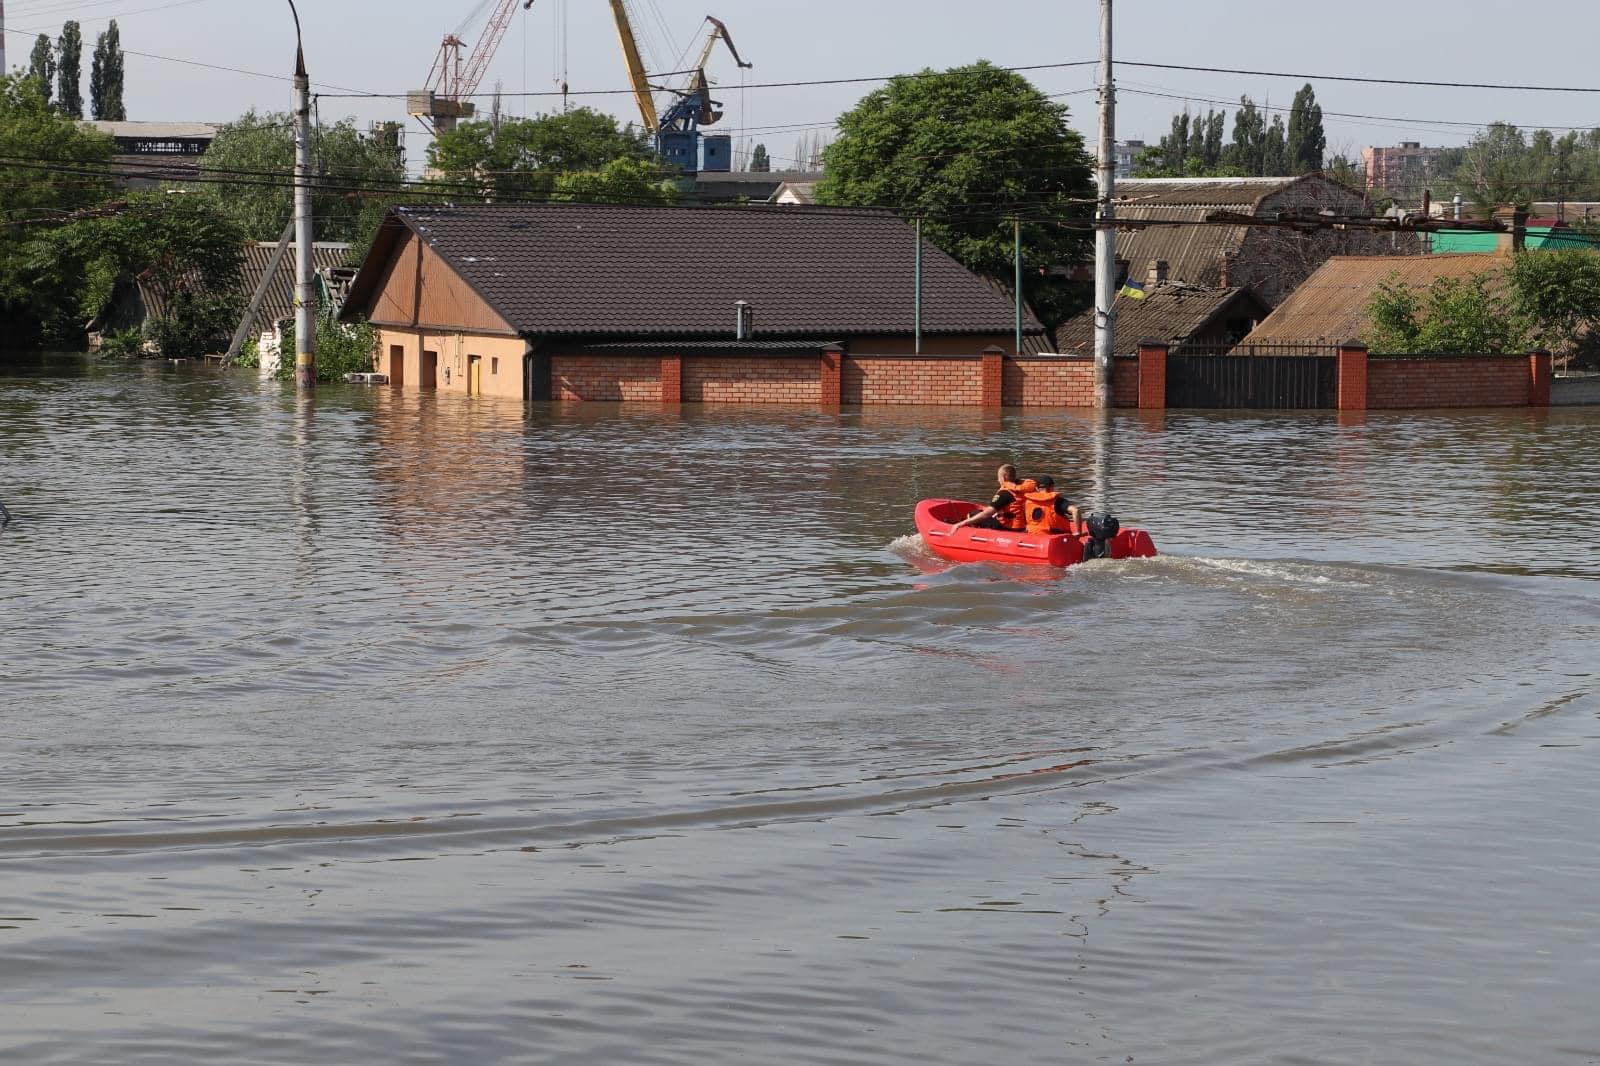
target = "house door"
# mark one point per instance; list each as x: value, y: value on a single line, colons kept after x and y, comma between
x: 397, y: 365
x: 474, y: 375
x: 429, y: 378
x: 535, y: 376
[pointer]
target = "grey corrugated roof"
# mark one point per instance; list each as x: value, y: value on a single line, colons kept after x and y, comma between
x: 603, y: 270
x: 278, y: 303
x: 1169, y: 313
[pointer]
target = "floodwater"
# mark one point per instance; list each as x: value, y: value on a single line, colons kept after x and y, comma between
x: 385, y: 729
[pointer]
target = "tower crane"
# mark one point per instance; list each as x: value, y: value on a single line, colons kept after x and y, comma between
x: 676, y: 132
x: 445, y: 97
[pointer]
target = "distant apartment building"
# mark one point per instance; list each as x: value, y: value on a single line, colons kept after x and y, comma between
x: 1402, y: 170
x: 1126, y: 153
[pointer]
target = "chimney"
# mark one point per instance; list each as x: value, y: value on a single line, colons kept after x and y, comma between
x: 1515, y: 236
x: 743, y: 321
x: 1157, y: 274
x: 1222, y: 271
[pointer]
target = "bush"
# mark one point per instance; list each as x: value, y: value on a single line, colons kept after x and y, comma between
x: 123, y: 343
x: 341, y: 350
x: 196, y: 323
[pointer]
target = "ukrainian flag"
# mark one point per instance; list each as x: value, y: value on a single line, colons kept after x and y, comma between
x: 1132, y: 290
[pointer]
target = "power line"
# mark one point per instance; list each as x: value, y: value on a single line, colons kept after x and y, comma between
x: 1365, y: 80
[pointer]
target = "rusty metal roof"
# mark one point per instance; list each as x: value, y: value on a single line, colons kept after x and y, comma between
x: 1168, y: 313
x: 1331, y: 304
x: 603, y: 270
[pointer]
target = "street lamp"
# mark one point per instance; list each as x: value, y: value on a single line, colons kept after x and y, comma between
x: 305, y: 325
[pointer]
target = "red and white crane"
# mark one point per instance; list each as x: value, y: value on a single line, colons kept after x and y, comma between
x: 446, y: 96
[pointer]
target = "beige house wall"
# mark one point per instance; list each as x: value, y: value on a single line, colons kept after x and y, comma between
x: 499, y: 360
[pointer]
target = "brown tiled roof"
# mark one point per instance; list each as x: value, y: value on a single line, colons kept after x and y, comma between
x: 1169, y: 313
x: 1331, y: 304
x: 601, y: 270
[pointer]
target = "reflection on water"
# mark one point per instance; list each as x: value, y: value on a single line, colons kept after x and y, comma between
x: 382, y: 728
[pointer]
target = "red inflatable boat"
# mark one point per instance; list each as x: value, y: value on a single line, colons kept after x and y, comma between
x: 972, y: 545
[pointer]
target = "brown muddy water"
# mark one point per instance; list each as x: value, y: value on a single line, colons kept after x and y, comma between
x: 385, y: 729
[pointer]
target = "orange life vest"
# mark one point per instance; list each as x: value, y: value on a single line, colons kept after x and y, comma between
x: 1010, y: 516
x: 1040, y: 513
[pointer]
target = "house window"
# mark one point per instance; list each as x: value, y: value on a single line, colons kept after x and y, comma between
x: 494, y: 364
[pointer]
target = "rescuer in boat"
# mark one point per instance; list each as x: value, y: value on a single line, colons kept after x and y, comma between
x: 1005, y: 508
x: 1046, y: 511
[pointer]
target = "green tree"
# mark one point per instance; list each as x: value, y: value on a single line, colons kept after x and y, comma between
x: 69, y: 70
x: 1275, y: 150
x: 970, y: 149
x: 1458, y: 315
x: 621, y: 181
x: 1249, y: 138
x: 38, y: 148
x: 1493, y: 168
x: 252, y: 162
x: 1306, y: 139
x: 185, y: 252
x: 105, y: 76
x: 1558, y: 293
x: 759, y: 162
x: 523, y: 157
x: 42, y: 65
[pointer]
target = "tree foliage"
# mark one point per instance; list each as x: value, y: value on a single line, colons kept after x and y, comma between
x: 42, y: 65
x: 523, y: 158
x: 33, y: 199
x: 252, y: 159
x: 105, y: 76
x: 69, y: 70
x: 970, y: 149
x: 621, y: 181
x: 1548, y: 299
x: 759, y: 161
x: 1305, y: 142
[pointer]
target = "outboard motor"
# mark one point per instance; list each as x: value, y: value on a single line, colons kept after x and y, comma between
x: 1102, y: 529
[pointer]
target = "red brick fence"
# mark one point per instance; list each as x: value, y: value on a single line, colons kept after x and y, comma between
x: 992, y: 378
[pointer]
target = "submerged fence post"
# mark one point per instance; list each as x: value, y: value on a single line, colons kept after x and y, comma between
x: 992, y: 370
x: 1539, y: 378
x: 1152, y: 376
x: 831, y: 391
x: 1352, y: 377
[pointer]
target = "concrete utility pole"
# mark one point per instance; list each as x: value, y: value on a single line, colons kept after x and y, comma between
x: 1105, y: 238
x: 3, y: 37
x: 305, y: 319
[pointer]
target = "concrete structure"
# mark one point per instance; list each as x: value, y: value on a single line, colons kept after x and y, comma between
x: 1126, y: 153
x: 149, y: 153
x: 1403, y: 171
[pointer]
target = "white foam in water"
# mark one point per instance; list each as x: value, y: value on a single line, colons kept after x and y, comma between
x: 1278, y: 571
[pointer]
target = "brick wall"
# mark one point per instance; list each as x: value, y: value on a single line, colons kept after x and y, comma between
x: 1447, y: 381
x: 911, y: 380
x: 1049, y: 381
x: 605, y: 377
x: 1125, y: 382
x: 740, y: 379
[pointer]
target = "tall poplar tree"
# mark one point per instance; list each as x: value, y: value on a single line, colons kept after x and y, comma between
x: 69, y: 70
x: 105, y: 76
x: 1306, y: 140
x: 42, y: 65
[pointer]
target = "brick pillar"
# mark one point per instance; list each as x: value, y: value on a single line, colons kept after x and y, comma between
x: 992, y: 365
x: 1539, y: 378
x: 832, y: 376
x: 672, y: 379
x: 1152, y: 376
x: 1352, y: 377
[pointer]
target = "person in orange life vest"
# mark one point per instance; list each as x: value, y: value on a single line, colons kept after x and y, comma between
x: 1046, y: 511
x: 1005, y: 508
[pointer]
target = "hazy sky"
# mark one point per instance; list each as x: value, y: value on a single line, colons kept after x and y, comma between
x: 387, y: 46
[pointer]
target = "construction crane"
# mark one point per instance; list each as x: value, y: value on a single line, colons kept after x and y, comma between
x: 445, y: 97
x: 676, y: 132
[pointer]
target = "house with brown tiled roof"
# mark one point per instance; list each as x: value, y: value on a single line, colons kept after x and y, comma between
x: 1331, y: 306
x: 1271, y: 260
x: 598, y: 301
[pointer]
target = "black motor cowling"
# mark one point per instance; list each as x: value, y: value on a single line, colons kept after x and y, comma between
x: 1102, y: 529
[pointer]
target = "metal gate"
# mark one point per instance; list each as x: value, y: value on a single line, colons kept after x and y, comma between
x: 1224, y: 381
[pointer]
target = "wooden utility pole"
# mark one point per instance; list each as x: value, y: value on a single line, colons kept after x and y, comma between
x: 1105, y: 238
